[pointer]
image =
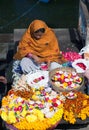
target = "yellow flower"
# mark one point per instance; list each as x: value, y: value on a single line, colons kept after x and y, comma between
x: 34, y: 97
x: 39, y: 114
x: 57, y: 116
x: 37, y: 93
x: 65, y: 84
x: 62, y: 76
x: 11, y: 117
x: 49, y: 101
x: 0, y: 112
x: 24, y: 112
x: 87, y: 111
x: 66, y: 115
x: 55, y: 78
x: 4, y: 115
x: 83, y: 116
x: 11, y: 105
x: 31, y: 118
x: 72, y: 121
x: 84, y: 102
x: 5, y: 101
x: 18, y: 112
x: 41, y: 88
x: 32, y: 123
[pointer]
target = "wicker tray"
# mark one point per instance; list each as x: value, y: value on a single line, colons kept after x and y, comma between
x: 64, y: 69
x: 11, y: 127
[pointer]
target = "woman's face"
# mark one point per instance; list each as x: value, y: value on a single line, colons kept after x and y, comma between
x: 38, y: 35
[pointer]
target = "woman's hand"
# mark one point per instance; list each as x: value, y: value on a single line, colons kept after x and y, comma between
x: 36, y: 59
x: 48, y: 64
x: 3, y: 79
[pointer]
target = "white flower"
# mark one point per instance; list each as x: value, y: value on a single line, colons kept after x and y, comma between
x: 38, y: 102
x: 45, y: 110
x: 48, y: 89
x: 49, y: 114
x: 58, y: 102
x: 31, y: 102
x: 19, y: 99
x: 53, y: 93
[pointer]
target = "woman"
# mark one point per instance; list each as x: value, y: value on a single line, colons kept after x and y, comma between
x: 38, y: 45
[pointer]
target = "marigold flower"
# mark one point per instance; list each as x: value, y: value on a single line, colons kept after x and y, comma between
x: 76, y: 108
x: 31, y: 118
x: 11, y: 117
x: 4, y: 116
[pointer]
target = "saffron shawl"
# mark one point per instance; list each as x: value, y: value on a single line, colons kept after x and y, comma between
x: 46, y: 48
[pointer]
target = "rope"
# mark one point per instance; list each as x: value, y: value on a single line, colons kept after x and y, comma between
x: 25, y: 13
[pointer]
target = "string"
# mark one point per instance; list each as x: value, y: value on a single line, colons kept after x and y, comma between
x: 25, y: 13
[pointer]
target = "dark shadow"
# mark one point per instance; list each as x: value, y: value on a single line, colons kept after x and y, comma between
x: 76, y: 38
x: 16, y: 45
x: 9, y: 68
x: 71, y: 126
x: 10, y: 55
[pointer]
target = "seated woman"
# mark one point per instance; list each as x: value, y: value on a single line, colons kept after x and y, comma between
x: 38, y: 45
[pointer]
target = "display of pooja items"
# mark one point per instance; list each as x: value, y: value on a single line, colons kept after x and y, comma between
x: 65, y: 79
x: 29, y: 108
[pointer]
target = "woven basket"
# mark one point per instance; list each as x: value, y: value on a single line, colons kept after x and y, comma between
x: 11, y: 127
x: 64, y: 69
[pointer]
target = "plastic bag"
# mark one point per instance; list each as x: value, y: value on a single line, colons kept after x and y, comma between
x: 81, y: 65
x: 85, y: 51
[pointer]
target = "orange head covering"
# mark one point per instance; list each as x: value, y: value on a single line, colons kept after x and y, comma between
x: 46, y: 47
x: 36, y: 25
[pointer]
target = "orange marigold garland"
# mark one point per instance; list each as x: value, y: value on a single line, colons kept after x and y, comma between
x: 76, y: 108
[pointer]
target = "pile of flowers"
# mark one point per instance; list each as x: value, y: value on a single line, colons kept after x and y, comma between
x: 71, y: 56
x: 76, y: 108
x: 42, y: 110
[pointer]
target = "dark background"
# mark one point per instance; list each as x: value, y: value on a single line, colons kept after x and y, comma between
x: 56, y: 13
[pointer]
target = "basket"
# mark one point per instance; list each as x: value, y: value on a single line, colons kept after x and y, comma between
x: 11, y: 127
x: 64, y: 69
x: 7, y: 126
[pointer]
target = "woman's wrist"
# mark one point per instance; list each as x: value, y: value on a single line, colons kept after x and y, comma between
x: 29, y: 55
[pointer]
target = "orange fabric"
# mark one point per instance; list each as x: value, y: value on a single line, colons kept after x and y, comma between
x: 46, y: 48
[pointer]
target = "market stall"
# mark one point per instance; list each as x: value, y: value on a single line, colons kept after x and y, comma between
x: 46, y: 99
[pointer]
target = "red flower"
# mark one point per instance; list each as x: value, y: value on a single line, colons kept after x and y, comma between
x: 55, y: 104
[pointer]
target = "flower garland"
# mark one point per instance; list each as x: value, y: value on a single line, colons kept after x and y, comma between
x: 40, y: 124
x: 42, y: 111
x: 76, y: 108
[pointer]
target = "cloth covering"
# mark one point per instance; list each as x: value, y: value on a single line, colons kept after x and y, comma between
x: 46, y: 48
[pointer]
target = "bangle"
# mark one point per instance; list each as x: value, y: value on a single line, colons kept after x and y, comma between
x: 29, y: 55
